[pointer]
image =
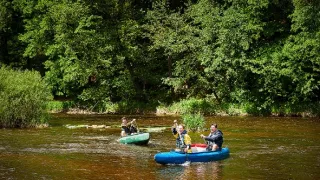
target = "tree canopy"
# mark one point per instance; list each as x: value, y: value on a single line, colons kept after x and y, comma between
x: 263, y: 52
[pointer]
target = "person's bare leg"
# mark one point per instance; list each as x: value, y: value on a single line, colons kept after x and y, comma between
x: 215, y: 147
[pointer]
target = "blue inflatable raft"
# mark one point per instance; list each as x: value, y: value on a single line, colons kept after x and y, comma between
x: 174, y: 157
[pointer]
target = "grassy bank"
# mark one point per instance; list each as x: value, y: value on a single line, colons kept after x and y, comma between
x: 123, y: 107
x: 188, y: 106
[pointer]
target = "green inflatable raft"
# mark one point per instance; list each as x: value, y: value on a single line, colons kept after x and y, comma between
x: 138, y: 139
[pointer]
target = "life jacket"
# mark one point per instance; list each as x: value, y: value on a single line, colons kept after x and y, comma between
x: 183, y: 142
x: 180, y: 142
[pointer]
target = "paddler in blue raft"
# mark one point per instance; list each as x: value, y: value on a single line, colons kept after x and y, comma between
x: 183, y: 140
x: 214, y: 139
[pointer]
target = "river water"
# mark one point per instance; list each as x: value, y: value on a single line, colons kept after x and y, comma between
x: 260, y: 148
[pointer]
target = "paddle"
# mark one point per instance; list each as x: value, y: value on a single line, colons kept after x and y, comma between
x: 204, y: 140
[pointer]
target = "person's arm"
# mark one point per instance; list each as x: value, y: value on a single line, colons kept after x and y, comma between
x: 174, y: 129
x: 131, y: 123
x: 175, y: 133
x: 187, y: 142
x: 213, y: 138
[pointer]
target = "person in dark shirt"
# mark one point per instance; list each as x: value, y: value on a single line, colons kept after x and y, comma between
x: 214, y: 139
x: 127, y: 128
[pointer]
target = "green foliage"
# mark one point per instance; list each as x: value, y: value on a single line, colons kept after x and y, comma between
x: 232, y: 109
x: 59, y: 106
x: 70, y: 37
x: 252, y: 56
x: 302, y: 109
x: 11, y: 25
x: 23, y: 97
x: 192, y: 106
x: 193, y: 122
x: 301, y: 52
x: 110, y: 108
x: 129, y: 107
x: 82, y: 41
x: 125, y: 107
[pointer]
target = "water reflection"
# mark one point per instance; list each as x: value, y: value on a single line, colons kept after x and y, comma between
x: 211, y: 170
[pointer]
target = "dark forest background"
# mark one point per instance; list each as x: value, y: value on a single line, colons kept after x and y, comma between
x: 262, y: 55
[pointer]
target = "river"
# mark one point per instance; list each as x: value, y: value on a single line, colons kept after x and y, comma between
x: 260, y: 148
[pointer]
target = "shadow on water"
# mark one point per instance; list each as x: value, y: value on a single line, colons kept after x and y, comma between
x: 260, y: 148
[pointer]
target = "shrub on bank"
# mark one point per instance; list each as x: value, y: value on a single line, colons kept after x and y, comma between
x: 102, y: 106
x: 59, y: 106
x: 130, y: 107
x: 186, y: 106
x: 23, y: 97
x: 193, y: 122
x: 301, y: 109
x: 192, y: 106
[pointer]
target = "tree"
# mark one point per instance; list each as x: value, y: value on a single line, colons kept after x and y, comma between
x: 10, y: 26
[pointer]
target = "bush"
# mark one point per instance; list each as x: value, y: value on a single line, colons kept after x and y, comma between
x: 134, y: 107
x: 302, y: 109
x: 232, y: 109
x: 59, y: 106
x: 194, y: 122
x: 192, y: 106
x: 23, y: 97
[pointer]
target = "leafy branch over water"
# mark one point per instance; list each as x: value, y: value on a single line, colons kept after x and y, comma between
x: 194, y: 122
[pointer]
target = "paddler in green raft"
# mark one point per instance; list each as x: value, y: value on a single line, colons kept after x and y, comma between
x: 127, y: 128
x: 183, y: 140
x: 130, y: 133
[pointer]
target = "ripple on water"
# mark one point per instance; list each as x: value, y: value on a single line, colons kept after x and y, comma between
x: 100, y: 138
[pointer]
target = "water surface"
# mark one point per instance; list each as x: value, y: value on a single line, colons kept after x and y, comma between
x: 260, y: 148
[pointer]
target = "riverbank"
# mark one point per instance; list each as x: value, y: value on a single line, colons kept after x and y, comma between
x: 188, y: 106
